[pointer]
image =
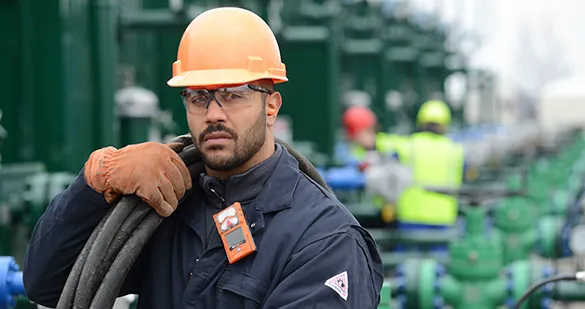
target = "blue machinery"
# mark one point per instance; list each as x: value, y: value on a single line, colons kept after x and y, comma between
x: 11, y: 285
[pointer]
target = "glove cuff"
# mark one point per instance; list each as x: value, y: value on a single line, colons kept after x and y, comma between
x: 99, y: 166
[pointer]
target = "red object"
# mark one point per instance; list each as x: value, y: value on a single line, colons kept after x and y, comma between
x: 363, y: 166
x: 358, y: 118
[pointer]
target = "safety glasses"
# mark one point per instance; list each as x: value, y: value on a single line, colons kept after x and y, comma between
x: 228, y: 98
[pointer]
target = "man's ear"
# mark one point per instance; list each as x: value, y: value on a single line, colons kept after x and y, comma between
x: 273, y: 104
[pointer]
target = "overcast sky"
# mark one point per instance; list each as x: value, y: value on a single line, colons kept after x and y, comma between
x: 527, y: 42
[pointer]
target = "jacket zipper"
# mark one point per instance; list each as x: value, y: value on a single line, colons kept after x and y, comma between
x: 218, y: 196
x: 209, y: 231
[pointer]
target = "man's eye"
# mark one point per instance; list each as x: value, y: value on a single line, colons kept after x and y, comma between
x: 197, y: 99
x: 230, y: 96
x: 234, y: 96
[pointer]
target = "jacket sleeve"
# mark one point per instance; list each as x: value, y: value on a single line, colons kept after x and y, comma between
x: 339, y: 271
x: 58, y: 238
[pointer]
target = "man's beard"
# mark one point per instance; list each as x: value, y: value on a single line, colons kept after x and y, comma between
x: 244, y: 148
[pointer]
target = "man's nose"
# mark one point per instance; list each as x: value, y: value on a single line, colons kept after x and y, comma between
x: 215, y: 113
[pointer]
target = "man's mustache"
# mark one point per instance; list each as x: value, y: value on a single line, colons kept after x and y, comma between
x: 217, y: 128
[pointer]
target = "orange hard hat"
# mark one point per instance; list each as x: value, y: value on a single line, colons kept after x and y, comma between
x: 227, y: 46
x: 358, y: 118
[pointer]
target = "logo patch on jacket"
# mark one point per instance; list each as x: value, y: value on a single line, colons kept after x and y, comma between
x: 339, y: 284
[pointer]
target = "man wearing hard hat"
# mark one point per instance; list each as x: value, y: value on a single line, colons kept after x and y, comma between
x: 309, y: 251
x: 360, y: 123
x: 435, y: 161
x: 368, y: 147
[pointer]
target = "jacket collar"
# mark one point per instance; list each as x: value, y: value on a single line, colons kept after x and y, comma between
x: 242, y: 187
x: 276, y: 192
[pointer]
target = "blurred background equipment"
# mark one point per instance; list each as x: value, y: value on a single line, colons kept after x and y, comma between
x: 80, y: 75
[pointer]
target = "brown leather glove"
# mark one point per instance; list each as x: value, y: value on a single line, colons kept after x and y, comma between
x: 152, y: 171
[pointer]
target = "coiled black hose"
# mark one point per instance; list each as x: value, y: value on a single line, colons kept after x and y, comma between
x: 108, y: 291
x: 66, y: 299
x: 106, y: 243
x: 103, y: 264
x: 92, y: 272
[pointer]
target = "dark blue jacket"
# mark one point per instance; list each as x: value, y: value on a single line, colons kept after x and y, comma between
x: 303, y: 234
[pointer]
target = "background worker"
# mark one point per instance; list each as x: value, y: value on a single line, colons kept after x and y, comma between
x: 311, y: 252
x: 435, y: 161
x: 368, y: 147
x: 360, y: 124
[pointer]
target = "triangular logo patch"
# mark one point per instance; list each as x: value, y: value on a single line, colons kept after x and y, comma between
x: 339, y: 284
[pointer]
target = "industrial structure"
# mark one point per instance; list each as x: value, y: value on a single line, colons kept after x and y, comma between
x: 80, y: 75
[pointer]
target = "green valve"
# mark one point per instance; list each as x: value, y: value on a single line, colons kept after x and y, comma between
x: 420, y: 276
x: 521, y: 275
x: 475, y: 256
x: 515, y: 221
x: 549, y: 231
x: 560, y: 202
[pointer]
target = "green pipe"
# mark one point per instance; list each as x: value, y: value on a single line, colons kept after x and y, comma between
x: 393, y: 259
x: 45, y: 112
x: 105, y: 47
x: 569, y: 291
x: 23, y: 139
x: 415, y: 237
x: 473, y: 294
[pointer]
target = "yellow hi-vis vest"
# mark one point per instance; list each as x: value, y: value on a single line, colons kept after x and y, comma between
x: 435, y: 161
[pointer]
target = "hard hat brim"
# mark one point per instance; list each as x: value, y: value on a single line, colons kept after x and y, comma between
x: 203, y: 78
